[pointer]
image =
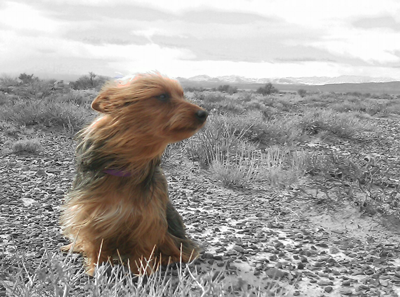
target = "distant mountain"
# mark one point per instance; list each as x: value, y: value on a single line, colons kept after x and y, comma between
x: 340, y: 84
x: 323, y: 80
x: 314, y: 80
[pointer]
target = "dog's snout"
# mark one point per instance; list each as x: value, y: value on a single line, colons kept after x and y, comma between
x: 201, y: 115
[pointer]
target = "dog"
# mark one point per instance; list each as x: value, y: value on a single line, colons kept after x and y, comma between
x: 119, y: 206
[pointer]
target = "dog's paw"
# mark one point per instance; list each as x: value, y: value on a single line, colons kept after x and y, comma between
x: 71, y: 248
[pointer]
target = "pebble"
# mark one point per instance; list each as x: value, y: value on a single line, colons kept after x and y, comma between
x: 346, y: 283
x: 346, y: 291
x: 296, y: 248
x: 275, y: 273
x: 325, y: 283
x: 238, y: 249
x: 334, y: 250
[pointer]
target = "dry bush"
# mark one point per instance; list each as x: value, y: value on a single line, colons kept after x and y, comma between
x: 46, y: 113
x: 32, y: 146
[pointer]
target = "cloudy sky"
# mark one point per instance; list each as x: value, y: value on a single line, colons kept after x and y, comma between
x: 251, y: 38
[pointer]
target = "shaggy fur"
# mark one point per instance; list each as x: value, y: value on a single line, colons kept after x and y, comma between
x: 129, y: 215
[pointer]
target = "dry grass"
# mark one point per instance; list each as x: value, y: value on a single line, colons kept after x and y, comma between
x: 249, y: 139
x: 57, y: 275
x: 32, y: 146
x: 275, y: 166
x: 64, y: 114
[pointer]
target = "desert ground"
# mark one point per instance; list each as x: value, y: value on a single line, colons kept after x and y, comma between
x: 288, y: 194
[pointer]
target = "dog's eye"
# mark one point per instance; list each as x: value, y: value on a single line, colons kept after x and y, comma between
x: 163, y: 97
x: 127, y: 104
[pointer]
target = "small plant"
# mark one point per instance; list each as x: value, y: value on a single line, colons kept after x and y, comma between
x: 220, y: 135
x: 58, y: 276
x: 47, y: 113
x: 275, y: 166
x: 8, y: 81
x: 27, y: 78
x: 302, y: 93
x: 27, y: 145
x: 267, y: 89
x: 89, y: 81
x: 327, y: 121
x: 227, y: 89
x: 9, y: 129
x: 238, y: 169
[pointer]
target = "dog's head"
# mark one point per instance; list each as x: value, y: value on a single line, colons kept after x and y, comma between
x: 150, y: 105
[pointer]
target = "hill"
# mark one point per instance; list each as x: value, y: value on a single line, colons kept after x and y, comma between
x: 392, y: 87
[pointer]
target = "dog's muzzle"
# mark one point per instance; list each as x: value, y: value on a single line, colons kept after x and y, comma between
x: 201, y: 115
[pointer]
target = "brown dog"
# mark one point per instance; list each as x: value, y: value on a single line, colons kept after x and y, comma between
x: 118, y: 204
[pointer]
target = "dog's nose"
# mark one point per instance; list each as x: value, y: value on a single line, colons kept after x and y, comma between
x: 201, y: 115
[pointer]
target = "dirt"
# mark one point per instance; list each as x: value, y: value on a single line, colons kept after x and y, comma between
x: 293, y: 240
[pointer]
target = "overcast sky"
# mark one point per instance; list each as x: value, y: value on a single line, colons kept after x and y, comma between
x: 260, y: 38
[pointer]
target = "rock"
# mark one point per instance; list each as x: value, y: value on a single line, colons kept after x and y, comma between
x: 300, y: 266
x: 383, y: 282
x: 59, y: 191
x: 334, y: 250
x: 273, y: 258
x: 275, y: 273
x: 238, y: 249
x: 346, y: 283
x: 207, y: 256
x: 41, y: 172
x: 325, y: 283
x: 28, y: 202
x: 346, y: 291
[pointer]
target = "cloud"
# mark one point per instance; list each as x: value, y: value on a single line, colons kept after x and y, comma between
x: 264, y: 70
x: 383, y: 21
x: 17, y: 16
x: 41, y: 53
x: 372, y: 46
x: 248, y: 37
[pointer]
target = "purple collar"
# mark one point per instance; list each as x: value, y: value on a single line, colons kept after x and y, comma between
x: 117, y: 172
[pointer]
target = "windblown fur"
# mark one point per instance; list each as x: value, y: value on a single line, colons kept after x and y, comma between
x: 106, y: 216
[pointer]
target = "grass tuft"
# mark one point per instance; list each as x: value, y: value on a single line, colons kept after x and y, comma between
x: 58, y: 276
x: 32, y: 146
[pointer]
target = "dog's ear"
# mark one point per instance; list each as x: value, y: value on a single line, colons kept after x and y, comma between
x: 102, y: 103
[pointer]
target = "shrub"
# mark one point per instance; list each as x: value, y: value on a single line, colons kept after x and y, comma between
x: 238, y: 168
x: 338, y: 124
x: 90, y: 81
x: 393, y: 108
x: 47, y: 113
x: 27, y: 79
x: 283, y: 130
x: 227, y: 89
x: 247, y: 97
x: 194, y: 89
x: 213, y: 97
x: 8, y: 81
x: 275, y: 166
x: 267, y: 89
x: 302, y: 93
x: 27, y: 145
x: 38, y: 89
x: 229, y: 107
x: 77, y: 97
x: 217, y: 101
x: 220, y: 136
x: 283, y: 167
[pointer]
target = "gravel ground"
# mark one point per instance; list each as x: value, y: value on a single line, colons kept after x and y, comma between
x: 262, y: 236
